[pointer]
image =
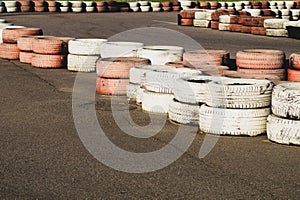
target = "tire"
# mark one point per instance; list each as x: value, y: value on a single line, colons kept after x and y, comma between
x: 192, y: 90
x: 81, y: 63
x: 201, y: 23
x: 52, y: 9
x: 76, y: 10
x: 258, y: 31
x: 118, y: 67
x: 277, y: 32
x: 86, y: 46
x: 200, y: 15
x: 186, y: 22
x: 25, y: 57
x: 283, y: 131
x: 260, y: 59
x: 235, y: 27
x: 143, y: 3
x: 175, y: 64
x: 48, y: 61
x: 145, y: 8
x: 76, y: 4
x: 25, y: 43
x: 223, y: 27
x: 49, y: 45
x: 239, y: 93
x: 90, y: 9
x: 187, y: 14
x: 295, y: 60
x: 159, y: 55
x: 285, y: 100
x: 214, y: 25
x: 120, y: 49
x: 156, y: 102
x: 132, y: 90
x: 64, y: 9
x: 137, y: 74
x: 293, y: 75
x: 222, y: 121
x: 274, y: 23
x: 9, y: 51
x: 52, y: 3
x: 11, y: 35
x: 196, y: 59
x: 106, y: 86
x: 229, y: 19
x: 281, y: 73
x: 237, y: 74
x: 246, y: 29
x: 10, y: 3
x: 26, y: 8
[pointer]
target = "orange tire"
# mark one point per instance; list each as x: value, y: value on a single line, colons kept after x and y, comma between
x: 25, y: 43
x: 293, y: 75
x: 52, y: 3
x: 11, y: 35
x: 39, y: 9
x: 166, y: 4
x: 175, y: 64
x: 26, y: 8
x: 26, y: 57
x: 118, y: 67
x: 24, y: 2
x: 295, y: 60
x: 166, y: 8
x: 176, y: 8
x: 195, y: 59
x: 246, y: 29
x: 258, y: 31
x: 9, y: 51
x: 235, y: 27
x: 39, y: 3
x: 187, y: 14
x: 214, y: 25
x: 48, y: 61
x: 107, y: 86
x: 281, y: 73
x: 187, y: 22
x: 51, y: 45
x: 52, y: 9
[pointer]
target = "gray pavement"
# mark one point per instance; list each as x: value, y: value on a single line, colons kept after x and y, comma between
x: 42, y: 156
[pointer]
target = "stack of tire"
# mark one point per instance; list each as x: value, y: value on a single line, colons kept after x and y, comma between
x: 166, y: 6
x: 293, y: 72
x: 9, y: 48
x: 189, y: 95
x: 202, y: 19
x: 246, y: 22
x: 52, y: 6
x: 101, y: 6
x: 113, y: 74
x: 83, y: 54
x: 89, y: 6
x: 256, y: 5
x: 214, y: 5
x: 253, y: 12
x: 26, y: 5
x: 156, y: 6
x: 212, y: 62
x: 246, y: 4
x: 226, y: 20
x: 5, y: 25
x: 275, y: 27
x: 238, y: 5
x: 134, y: 6
x: 236, y: 107
x: 50, y: 52
x: 11, y: 6
x: 215, y: 17
x: 144, y: 6
x: 160, y: 55
x: 176, y: 6
x: 280, y: 5
x: 123, y: 6
x: 230, y: 5
x: 261, y: 62
x: 76, y: 6
x: 64, y: 6
x: 258, y: 25
x: 26, y: 49
x: 39, y: 5
x: 186, y: 17
x: 159, y: 88
x: 283, y: 125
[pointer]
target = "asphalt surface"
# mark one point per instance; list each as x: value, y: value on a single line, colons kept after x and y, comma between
x: 42, y: 156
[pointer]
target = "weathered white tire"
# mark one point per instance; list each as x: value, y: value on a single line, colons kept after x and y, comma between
x: 202, y: 23
x: 82, y: 63
x: 291, y: 23
x: 163, y: 81
x: 76, y: 9
x: 76, y: 4
x: 139, y: 95
x: 183, y: 113
x: 274, y: 23
x: 145, y: 8
x: 120, y: 49
x: 156, y: 9
x: 186, y: 3
x: 88, y: 3
x: 223, y: 27
x: 143, y: 3
x: 160, y: 55
x: 4, y: 25
x: 221, y: 121
x: 200, y: 15
x: 239, y: 93
x: 137, y: 74
x: 277, y: 32
x: 86, y: 46
x: 132, y: 90
x: 283, y: 131
x: 192, y: 89
x: 135, y: 9
x: 285, y: 12
x: 295, y: 12
x: 64, y: 9
x: 10, y: 3
x: 64, y: 3
x: 155, y: 4
x: 286, y: 100
x: 90, y: 9
x: 253, y: 12
x: 156, y: 102
x: 11, y: 9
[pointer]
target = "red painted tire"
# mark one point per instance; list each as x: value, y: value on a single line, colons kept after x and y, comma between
x: 24, y: 2
x: 25, y: 43
x: 260, y: 59
x: 51, y: 46
x: 39, y: 3
x: 176, y: 8
x: 25, y: 8
x: 52, y: 9
x: 187, y: 14
x: 52, y: 3
x: 102, y: 9
x: 166, y: 9
x: 39, y: 9
x: 203, y: 4
x: 107, y: 86
x: 246, y: 29
x: 48, y: 61
x: 118, y: 67
x: 214, y: 25
x: 246, y: 21
x: 197, y: 58
x: 295, y: 60
x: 26, y: 57
x: 166, y: 4
x: 235, y: 27
x: 293, y: 75
x: 258, y: 31
x: 101, y: 3
x: 187, y: 22
x: 11, y: 35
x: 281, y: 73
x: 9, y: 51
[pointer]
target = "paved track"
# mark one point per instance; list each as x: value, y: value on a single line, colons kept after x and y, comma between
x: 42, y: 156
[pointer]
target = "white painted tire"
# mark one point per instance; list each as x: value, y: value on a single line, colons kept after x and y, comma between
x: 86, y: 46
x: 285, y: 12
x: 76, y: 4
x: 64, y: 9
x: 277, y: 32
x: 239, y: 93
x: 155, y: 4
x: 160, y: 55
x: 186, y: 3
x: 222, y: 121
x: 89, y: 3
x: 11, y: 9
x: 183, y: 113
x: 77, y: 9
x: 120, y: 49
x: 90, y: 9
x: 200, y: 15
x: 283, y: 131
x: 202, y: 23
x: 143, y: 3
x: 132, y: 90
x: 158, y: 9
x: 286, y: 100
x: 64, y: 3
x: 137, y: 74
x: 145, y: 8
x: 295, y: 12
x: 133, y: 4
x: 80, y: 63
x: 291, y: 23
x: 193, y: 89
x: 274, y: 23
x: 135, y: 9
x: 163, y: 81
x: 10, y: 3
x: 223, y: 27
x: 156, y: 102
x: 254, y: 12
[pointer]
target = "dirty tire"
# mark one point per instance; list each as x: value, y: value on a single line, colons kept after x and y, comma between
x: 107, y: 86
x: 156, y: 102
x: 48, y: 61
x: 49, y: 45
x: 9, y: 51
x: 26, y: 57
